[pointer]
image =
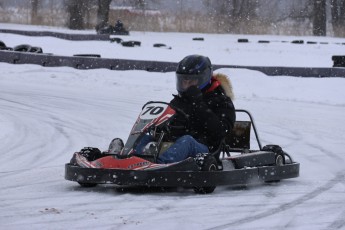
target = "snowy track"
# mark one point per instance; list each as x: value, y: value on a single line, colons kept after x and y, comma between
x: 42, y: 124
x: 48, y: 113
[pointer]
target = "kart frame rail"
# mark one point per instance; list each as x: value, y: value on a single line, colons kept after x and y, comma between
x: 156, y: 178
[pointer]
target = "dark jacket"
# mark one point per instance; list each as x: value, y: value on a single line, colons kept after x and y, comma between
x: 209, y: 120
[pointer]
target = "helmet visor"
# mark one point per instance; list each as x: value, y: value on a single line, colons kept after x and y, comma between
x: 184, y: 81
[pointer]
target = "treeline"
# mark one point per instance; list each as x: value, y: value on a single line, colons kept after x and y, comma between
x: 293, y: 17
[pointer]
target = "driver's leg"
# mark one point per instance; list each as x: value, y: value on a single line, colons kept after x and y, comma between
x: 184, y: 147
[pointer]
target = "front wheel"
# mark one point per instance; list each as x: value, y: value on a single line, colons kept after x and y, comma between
x: 210, y: 164
x: 279, y: 157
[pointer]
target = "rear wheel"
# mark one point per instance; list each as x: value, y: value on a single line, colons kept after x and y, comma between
x: 279, y: 160
x: 210, y: 164
x: 280, y: 157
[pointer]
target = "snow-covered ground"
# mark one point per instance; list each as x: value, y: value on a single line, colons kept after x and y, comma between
x: 48, y: 113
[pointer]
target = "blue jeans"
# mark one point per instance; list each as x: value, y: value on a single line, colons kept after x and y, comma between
x: 142, y: 143
x: 184, y: 147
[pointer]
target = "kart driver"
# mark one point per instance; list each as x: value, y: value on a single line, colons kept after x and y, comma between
x: 204, y: 111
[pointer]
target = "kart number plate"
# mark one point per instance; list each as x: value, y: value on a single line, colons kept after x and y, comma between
x: 152, y: 111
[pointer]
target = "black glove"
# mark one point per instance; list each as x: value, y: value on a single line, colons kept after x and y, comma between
x: 180, y: 105
x: 193, y: 94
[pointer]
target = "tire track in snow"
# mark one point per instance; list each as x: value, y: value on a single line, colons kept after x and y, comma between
x: 40, y: 120
x: 309, y: 196
x: 338, y: 223
x: 27, y: 135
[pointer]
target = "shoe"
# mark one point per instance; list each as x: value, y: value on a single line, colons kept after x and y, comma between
x: 150, y: 148
x: 115, y: 146
x: 200, y: 158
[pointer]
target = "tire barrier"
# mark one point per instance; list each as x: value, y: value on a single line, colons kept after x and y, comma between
x: 242, y: 40
x: 73, y: 37
x: 28, y: 48
x: 292, y: 71
x: 198, y: 39
x: 117, y: 40
x: 84, y: 62
x: 263, y: 41
x: 113, y: 30
x: 125, y: 43
x: 338, y: 61
x: 161, y: 45
x: 297, y: 42
x: 158, y: 45
x: 87, y: 55
x: 131, y: 43
x: 93, y: 61
x: 4, y: 47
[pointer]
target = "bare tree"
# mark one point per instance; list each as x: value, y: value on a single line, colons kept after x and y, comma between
x: 338, y: 17
x: 34, y: 11
x: 244, y: 10
x: 103, y: 13
x: 141, y: 4
x: 232, y: 15
x: 75, y: 9
x: 319, y: 18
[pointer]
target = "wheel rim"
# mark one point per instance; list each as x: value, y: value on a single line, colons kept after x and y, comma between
x: 212, y: 167
x: 279, y: 160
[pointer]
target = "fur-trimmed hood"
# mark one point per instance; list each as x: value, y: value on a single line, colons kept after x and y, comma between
x: 225, y: 84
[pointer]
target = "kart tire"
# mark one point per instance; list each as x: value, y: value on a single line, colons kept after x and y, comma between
x: 87, y: 55
x: 210, y: 164
x: 35, y: 49
x: 2, y: 45
x: 159, y: 45
x: 280, y: 157
x: 198, y: 39
x: 130, y: 43
x: 87, y: 185
x: 22, y: 48
x: 117, y: 40
x: 280, y: 160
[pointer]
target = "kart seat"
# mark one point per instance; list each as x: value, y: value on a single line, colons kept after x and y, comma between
x: 239, y: 138
x: 236, y: 141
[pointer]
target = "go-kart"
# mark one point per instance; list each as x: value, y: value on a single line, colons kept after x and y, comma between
x: 233, y: 163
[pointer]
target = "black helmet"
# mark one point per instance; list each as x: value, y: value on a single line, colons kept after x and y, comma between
x: 193, y: 67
